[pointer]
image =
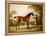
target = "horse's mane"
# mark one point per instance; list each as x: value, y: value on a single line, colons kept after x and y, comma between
x: 29, y: 14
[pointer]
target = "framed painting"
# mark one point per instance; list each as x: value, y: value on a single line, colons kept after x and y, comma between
x: 24, y: 17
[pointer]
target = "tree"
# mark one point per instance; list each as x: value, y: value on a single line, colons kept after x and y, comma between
x: 39, y: 8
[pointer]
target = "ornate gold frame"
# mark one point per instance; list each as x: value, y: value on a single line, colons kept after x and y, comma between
x: 21, y: 2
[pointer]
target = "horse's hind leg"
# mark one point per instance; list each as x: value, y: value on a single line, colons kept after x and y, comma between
x: 27, y: 25
x: 18, y: 21
x: 16, y: 26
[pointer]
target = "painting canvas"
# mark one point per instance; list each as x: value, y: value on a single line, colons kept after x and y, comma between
x: 24, y: 17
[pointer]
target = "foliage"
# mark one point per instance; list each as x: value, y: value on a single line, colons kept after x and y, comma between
x: 12, y: 22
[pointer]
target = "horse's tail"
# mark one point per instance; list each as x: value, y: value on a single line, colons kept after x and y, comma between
x: 14, y: 17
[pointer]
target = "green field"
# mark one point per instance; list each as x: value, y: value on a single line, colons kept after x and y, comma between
x: 23, y: 27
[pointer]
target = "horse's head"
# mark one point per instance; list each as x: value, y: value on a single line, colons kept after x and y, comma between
x: 32, y: 13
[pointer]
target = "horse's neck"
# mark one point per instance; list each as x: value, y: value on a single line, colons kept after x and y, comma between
x: 28, y: 15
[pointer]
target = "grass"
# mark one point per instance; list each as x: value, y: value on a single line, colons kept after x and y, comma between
x: 23, y: 27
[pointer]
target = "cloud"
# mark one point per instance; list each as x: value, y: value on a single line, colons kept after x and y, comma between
x: 21, y: 10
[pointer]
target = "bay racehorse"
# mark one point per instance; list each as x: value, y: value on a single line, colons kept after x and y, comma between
x: 25, y: 19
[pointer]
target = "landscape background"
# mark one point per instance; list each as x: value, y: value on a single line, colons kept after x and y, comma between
x: 23, y: 10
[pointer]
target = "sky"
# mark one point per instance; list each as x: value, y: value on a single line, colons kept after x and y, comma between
x: 21, y: 10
